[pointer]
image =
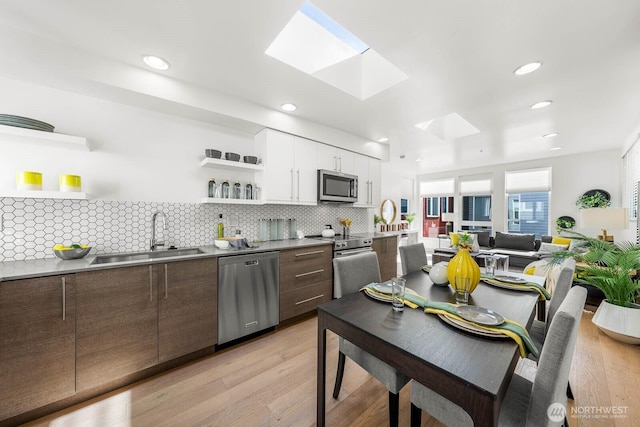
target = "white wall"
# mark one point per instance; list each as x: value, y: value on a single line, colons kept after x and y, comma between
x: 137, y: 154
x: 397, y: 185
x: 571, y: 177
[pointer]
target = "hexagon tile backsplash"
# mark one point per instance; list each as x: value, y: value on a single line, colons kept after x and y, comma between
x: 29, y: 228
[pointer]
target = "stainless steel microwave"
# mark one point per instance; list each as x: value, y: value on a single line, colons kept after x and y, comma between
x: 337, y: 187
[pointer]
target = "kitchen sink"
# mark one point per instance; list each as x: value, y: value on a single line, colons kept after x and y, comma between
x: 144, y: 256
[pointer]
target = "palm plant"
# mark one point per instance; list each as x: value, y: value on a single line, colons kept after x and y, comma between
x: 610, y: 267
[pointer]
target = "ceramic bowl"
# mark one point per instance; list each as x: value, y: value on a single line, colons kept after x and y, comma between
x: 214, y: 154
x: 28, y: 180
x: 71, y: 253
x: 221, y: 244
x: 232, y: 156
x: 70, y: 183
x: 250, y: 159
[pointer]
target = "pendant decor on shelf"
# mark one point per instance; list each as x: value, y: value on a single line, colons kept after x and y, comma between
x: 463, y: 264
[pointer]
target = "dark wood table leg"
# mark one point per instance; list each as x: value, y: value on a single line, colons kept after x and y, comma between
x: 322, y: 365
x: 542, y: 310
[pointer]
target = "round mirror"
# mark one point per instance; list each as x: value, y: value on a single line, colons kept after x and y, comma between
x: 388, y: 211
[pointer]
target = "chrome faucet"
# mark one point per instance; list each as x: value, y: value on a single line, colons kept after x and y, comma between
x: 155, y: 243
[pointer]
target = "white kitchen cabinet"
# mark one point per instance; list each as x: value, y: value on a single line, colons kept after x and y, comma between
x: 368, y: 171
x: 290, y: 172
x: 336, y: 159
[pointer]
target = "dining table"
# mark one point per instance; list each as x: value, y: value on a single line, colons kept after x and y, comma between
x: 471, y: 370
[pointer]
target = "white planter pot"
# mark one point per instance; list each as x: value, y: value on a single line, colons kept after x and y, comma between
x: 620, y: 323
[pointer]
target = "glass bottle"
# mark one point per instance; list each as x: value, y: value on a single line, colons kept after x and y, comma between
x: 220, y: 228
x: 248, y: 191
x: 237, y: 190
x: 212, y: 187
x: 225, y: 189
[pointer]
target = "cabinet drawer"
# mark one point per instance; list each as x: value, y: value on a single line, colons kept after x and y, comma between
x: 294, y: 277
x: 305, y: 254
x: 304, y: 300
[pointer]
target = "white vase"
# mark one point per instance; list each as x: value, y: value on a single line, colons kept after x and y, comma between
x: 620, y: 323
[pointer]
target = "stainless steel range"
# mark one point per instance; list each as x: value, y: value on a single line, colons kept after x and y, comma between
x: 345, y: 246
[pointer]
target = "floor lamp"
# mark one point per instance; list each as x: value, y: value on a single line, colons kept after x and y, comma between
x: 605, y: 218
x: 448, y: 218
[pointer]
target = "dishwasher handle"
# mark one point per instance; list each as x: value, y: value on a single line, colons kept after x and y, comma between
x: 251, y: 263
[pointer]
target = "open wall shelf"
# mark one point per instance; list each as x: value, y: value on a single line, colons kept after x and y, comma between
x: 227, y: 164
x: 39, y: 194
x: 51, y: 139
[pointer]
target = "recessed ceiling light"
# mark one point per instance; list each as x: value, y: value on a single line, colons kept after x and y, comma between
x: 155, y: 62
x: 289, y: 107
x: 555, y: 148
x: 527, y: 68
x: 550, y: 135
x: 540, y: 104
x: 384, y: 139
x: 418, y: 159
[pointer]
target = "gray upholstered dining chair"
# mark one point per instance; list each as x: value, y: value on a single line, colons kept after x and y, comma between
x: 350, y: 274
x: 563, y: 282
x: 525, y: 403
x: 412, y: 257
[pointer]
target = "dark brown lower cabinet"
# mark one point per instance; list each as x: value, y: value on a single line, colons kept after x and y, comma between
x: 37, y: 343
x: 187, y: 307
x: 117, y: 324
x: 305, y: 279
x: 387, y: 250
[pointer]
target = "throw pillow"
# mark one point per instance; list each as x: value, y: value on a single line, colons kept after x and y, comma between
x: 577, y: 244
x: 547, y: 248
x: 557, y: 240
x: 454, y: 238
x: 483, y: 238
x: 545, y: 269
x: 524, y: 242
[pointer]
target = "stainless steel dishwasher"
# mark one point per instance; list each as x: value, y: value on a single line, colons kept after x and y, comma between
x: 248, y: 294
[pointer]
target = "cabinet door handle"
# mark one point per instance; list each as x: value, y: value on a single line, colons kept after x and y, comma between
x: 298, y: 197
x: 339, y: 164
x: 309, y: 253
x: 150, y: 284
x: 309, y: 299
x: 309, y: 273
x: 371, y: 192
x: 291, y: 193
x: 166, y: 283
x: 64, y: 298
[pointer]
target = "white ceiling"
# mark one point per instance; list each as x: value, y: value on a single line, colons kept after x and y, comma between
x: 459, y: 56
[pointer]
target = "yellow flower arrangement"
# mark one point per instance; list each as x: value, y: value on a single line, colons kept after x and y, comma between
x: 345, y: 222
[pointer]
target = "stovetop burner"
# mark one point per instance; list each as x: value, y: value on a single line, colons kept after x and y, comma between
x: 340, y: 242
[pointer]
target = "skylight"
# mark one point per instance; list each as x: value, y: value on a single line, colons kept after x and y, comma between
x: 333, y: 27
x: 448, y: 127
x: 315, y: 44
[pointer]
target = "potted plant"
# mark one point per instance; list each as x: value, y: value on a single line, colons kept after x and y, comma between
x: 593, y: 199
x: 612, y: 268
x: 410, y: 217
x: 565, y: 223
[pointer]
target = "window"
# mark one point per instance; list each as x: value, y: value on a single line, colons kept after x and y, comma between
x: 476, y: 203
x: 528, y: 201
x: 528, y: 213
x: 433, y: 207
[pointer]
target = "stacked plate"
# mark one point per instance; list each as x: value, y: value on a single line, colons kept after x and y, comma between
x: 24, y: 122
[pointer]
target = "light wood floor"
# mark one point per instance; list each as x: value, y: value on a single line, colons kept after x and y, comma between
x: 271, y: 381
